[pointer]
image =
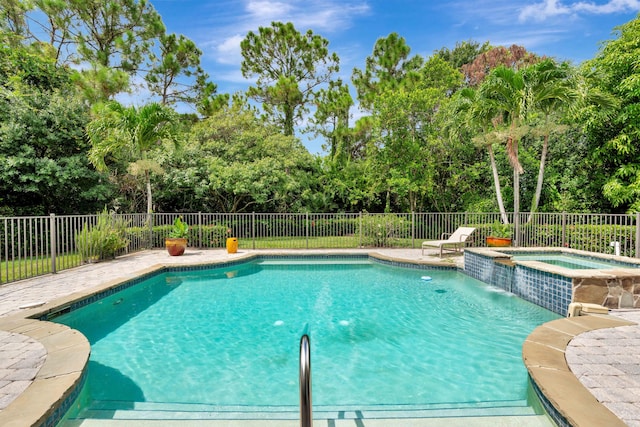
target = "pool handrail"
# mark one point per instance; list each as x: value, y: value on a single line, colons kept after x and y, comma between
x: 306, y: 419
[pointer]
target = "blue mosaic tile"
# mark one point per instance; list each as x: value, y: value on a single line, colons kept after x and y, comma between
x: 551, y: 410
x: 64, y: 407
x: 551, y: 291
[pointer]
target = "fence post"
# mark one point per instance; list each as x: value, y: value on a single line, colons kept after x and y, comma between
x: 52, y: 241
x: 413, y: 229
x: 307, y: 229
x: 253, y: 230
x: 360, y: 238
x: 564, y: 229
x: 150, y: 223
x: 637, y: 254
x: 199, y: 230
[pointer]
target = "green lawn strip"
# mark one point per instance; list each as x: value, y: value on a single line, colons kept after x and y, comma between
x: 11, y: 271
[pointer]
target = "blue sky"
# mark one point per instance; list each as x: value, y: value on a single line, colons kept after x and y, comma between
x: 564, y: 29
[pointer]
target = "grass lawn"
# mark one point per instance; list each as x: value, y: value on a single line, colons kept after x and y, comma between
x: 11, y: 271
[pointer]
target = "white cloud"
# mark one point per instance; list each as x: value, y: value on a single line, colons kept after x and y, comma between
x: 613, y: 6
x: 228, y: 52
x: 268, y: 10
x: 552, y: 8
x: 318, y: 15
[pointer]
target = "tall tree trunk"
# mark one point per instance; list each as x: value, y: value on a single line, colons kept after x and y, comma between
x: 543, y: 159
x: 496, y: 183
x: 516, y: 196
x: 147, y: 178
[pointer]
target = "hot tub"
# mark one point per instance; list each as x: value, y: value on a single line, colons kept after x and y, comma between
x: 556, y: 277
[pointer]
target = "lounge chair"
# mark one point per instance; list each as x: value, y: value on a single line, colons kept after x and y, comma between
x: 455, y: 242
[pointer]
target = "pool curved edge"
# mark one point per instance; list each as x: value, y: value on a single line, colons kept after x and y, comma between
x: 564, y: 397
x: 58, y: 380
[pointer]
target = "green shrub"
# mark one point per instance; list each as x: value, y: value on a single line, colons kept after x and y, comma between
x: 102, y: 240
x: 384, y: 230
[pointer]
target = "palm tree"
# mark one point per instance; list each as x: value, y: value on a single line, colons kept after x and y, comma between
x: 471, y: 112
x: 129, y: 133
x: 550, y: 92
x: 506, y: 93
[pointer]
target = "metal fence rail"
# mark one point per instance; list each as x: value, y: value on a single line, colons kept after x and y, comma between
x: 32, y: 246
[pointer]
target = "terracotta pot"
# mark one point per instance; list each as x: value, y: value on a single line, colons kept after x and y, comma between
x: 175, y: 245
x: 498, y: 241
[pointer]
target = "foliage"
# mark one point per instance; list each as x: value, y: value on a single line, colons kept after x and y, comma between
x: 331, y: 119
x: 102, y: 240
x: 463, y: 53
x: 179, y: 57
x: 498, y: 229
x: 618, y: 73
x: 114, y: 38
x: 43, y: 150
x: 129, y: 134
x: 514, y: 57
x: 383, y: 230
x: 290, y: 68
x: 386, y: 69
x: 237, y: 163
x: 180, y: 229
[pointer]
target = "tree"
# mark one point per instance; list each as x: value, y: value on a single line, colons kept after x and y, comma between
x: 43, y: 150
x: 515, y: 57
x: 13, y: 22
x: 472, y: 112
x: 387, y: 68
x: 331, y: 118
x: 505, y: 91
x: 407, y: 149
x: 550, y: 92
x: 617, y: 137
x: 129, y: 134
x: 290, y: 67
x: 239, y: 163
x: 179, y: 59
x: 463, y: 53
x: 110, y: 39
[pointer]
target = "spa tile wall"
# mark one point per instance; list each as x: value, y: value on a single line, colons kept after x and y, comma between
x: 547, y: 290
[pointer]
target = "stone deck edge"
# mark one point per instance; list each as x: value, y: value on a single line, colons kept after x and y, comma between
x: 543, y: 353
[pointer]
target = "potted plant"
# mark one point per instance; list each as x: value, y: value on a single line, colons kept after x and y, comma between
x: 176, y: 243
x: 500, y: 235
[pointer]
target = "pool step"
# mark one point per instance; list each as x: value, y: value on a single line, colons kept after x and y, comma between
x: 489, y: 421
x: 175, y: 411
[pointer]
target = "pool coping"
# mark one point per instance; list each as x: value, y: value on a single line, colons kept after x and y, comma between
x: 543, y: 353
x: 68, y: 352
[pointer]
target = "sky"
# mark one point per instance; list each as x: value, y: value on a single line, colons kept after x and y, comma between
x: 563, y: 29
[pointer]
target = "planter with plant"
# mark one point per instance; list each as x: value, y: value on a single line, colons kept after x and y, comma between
x: 176, y: 243
x: 500, y: 235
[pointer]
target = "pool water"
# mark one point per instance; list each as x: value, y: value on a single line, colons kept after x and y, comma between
x: 380, y: 335
x: 573, y: 262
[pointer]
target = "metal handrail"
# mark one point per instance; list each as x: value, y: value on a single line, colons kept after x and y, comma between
x: 306, y: 419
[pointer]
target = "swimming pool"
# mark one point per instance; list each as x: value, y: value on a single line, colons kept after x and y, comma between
x: 228, y: 337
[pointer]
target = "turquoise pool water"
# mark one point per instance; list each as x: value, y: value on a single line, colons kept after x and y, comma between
x: 380, y: 335
x: 573, y: 262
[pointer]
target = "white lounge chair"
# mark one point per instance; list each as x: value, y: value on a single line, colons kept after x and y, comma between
x: 455, y: 242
